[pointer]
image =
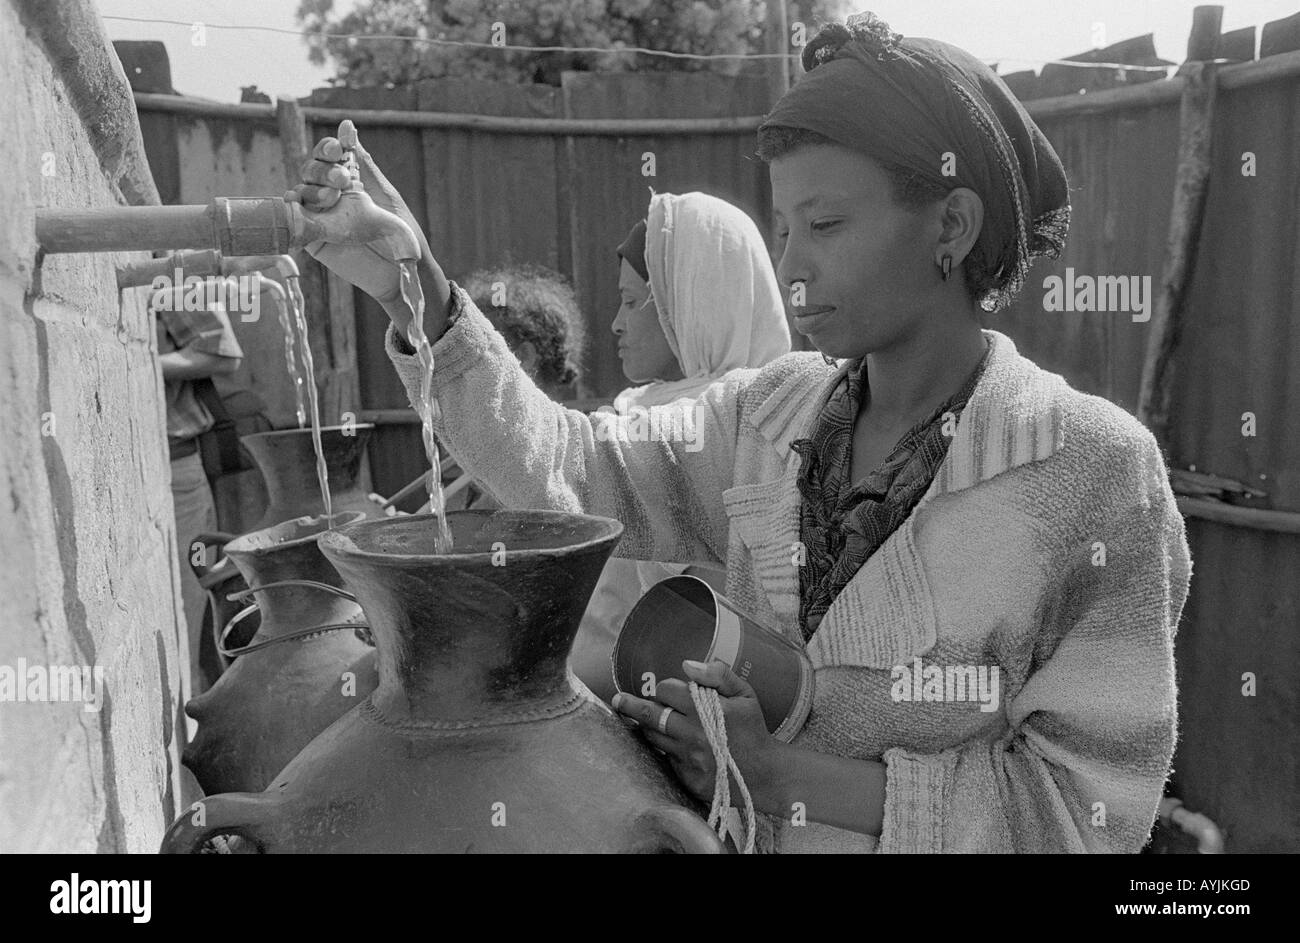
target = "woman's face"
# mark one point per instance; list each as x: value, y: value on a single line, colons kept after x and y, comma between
x: 642, y: 346
x: 866, y: 263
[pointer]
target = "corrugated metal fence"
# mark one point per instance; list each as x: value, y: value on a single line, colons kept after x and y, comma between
x: 1238, y: 759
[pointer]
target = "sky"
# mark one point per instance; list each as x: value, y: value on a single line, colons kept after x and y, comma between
x: 1019, y: 34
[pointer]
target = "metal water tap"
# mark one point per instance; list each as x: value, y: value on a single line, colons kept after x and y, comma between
x: 173, y: 297
x: 201, y: 263
x: 265, y: 226
x: 355, y: 219
x: 284, y: 265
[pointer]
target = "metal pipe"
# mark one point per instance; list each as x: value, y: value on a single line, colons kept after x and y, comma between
x: 1280, y: 67
x: 201, y: 263
x: 124, y: 228
x: 218, y: 289
x: 1209, y: 509
x: 444, y: 466
x: 277, y: 292
x: 284, y: 265
x: 604, y: 127
x: 269, y: 226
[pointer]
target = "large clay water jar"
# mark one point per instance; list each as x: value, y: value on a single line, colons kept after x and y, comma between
x: 272, y: 701
x: 287, y: 461
x: 478, y: 737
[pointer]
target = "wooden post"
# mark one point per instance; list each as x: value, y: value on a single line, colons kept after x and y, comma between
x: 293, y: 138
x: 329, y: 312
x: 1191, y: 183
x: 343, y: 393
x: 1203, y: 41
x: 776, y: 39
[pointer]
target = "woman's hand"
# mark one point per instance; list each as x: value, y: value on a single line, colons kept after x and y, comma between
x: 682, y: 738
x: 324, y: 179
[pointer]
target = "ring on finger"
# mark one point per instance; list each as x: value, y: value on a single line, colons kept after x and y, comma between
x: 663, y: 720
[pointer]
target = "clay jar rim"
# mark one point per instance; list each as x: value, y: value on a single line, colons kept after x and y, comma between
x: 339, y: 544
x: 267, y: 540
x: 306, y: 430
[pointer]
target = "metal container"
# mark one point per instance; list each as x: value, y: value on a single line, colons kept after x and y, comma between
x: 683, y: 618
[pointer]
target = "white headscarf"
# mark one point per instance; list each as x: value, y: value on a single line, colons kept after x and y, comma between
x: 712, y: 281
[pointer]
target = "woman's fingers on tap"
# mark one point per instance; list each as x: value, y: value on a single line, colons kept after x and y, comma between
x: 325, y: 173
x: 322, y: 181
x: 329, y: 149
x: 316, y: 198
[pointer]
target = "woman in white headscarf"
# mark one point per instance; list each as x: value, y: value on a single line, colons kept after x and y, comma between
x: 699, y: 298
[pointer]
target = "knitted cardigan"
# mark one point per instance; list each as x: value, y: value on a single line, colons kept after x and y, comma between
x: 1048, y: 552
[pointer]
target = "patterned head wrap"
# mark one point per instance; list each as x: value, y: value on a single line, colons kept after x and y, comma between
x: 909, y: 102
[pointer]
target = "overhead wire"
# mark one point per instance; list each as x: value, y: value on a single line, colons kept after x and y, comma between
x: 599, y: 50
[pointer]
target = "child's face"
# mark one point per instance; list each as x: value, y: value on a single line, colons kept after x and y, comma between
x: 865, y: 262
x: 642, y: 346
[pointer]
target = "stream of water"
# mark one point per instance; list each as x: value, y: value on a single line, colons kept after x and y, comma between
x: 298, y: 305
x: 290, y: 356
x: 413, y: 296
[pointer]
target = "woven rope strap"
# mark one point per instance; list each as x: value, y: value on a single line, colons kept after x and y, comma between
x: 708, y: 706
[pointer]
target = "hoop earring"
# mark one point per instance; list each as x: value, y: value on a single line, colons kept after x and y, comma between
x: 946, y: 266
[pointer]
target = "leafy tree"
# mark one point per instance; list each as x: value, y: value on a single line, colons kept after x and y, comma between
x: 690, y: 26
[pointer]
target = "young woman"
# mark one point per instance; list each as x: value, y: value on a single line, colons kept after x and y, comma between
x: 698, y: 299
x: 935, y: 505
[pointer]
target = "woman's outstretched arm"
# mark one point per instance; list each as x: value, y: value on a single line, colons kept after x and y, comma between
x: 661, y: 473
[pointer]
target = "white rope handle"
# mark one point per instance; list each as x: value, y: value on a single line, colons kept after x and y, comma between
x: 708, y: 706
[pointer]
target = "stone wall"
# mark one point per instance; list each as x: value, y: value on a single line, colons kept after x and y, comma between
x: 87, y: 572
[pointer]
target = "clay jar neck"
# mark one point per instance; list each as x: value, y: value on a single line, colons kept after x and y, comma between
x: 287, y: 460
x: 289, y: 608
x: 461, y: 641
